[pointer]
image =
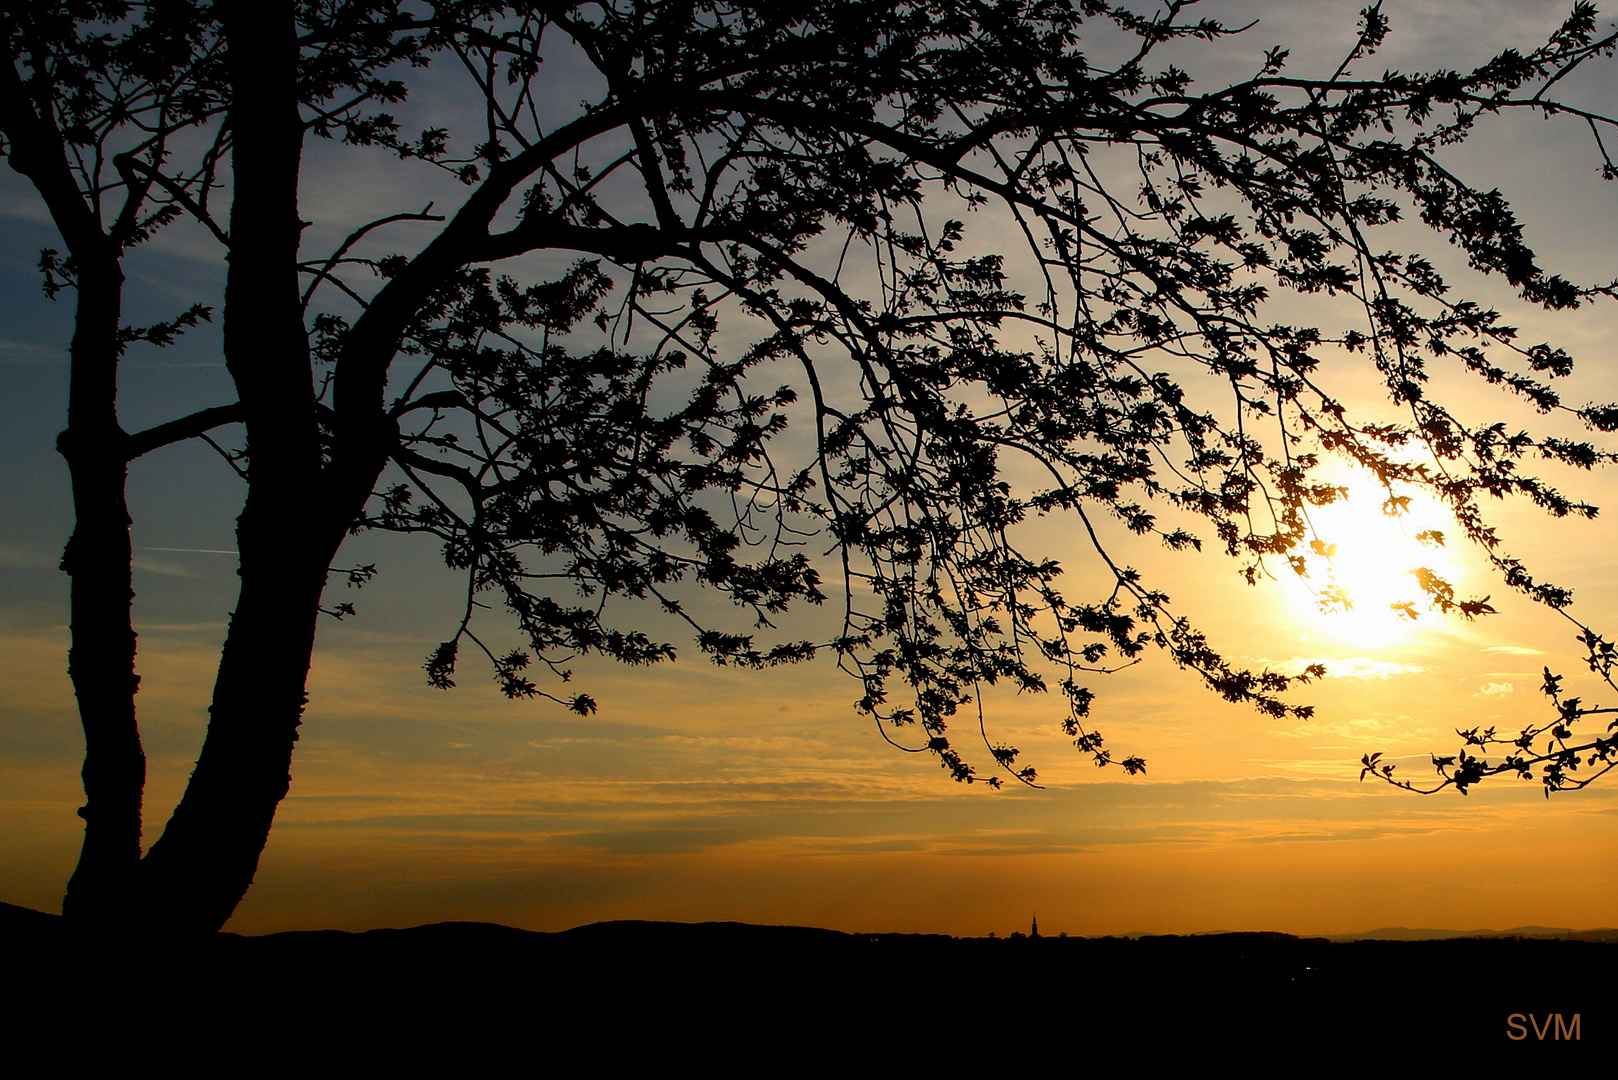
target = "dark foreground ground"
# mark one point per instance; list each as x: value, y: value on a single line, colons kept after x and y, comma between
x: 732, y: 998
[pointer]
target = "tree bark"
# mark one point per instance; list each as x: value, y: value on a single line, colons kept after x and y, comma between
x: 200, y: 868
x: 101, y: 656
x: 98, y: 558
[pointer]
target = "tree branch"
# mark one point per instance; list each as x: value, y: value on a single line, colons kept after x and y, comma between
x: 186, y: 427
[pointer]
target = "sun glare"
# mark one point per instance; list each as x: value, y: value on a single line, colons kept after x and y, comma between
x: 1361, y: 587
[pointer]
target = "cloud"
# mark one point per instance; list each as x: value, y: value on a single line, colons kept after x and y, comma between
x: 1352, y: 667
x: 152, y: 566
x: 1355, y: 730
x: 1495, y: 689
x: 27, y: 352
x: 26, y: 560
x: 1513, y: 650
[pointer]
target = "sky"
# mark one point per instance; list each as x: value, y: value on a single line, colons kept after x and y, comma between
x: 697, y: 793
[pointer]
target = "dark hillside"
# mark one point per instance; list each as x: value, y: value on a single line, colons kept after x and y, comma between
x: 726, y: 992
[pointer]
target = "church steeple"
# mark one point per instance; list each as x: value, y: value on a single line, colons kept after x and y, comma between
x: 1035, y: 931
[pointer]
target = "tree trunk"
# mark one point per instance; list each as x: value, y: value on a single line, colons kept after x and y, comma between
x: 101, y: 657
x: 197, y: 873
x: 200, y: 869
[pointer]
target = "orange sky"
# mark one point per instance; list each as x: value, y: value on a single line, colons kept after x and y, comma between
x: 704, y: 794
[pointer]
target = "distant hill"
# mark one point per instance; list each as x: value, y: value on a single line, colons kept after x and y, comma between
x: 1405, y: 933
x: 15, y: 919
x: 643, y: 994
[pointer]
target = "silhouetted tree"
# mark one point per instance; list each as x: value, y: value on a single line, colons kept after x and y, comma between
x: 762, y: 210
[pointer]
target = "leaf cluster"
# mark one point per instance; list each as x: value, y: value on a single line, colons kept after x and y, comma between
x: 753, y: 143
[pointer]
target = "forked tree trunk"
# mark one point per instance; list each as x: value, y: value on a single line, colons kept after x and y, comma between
x: 296, y: 516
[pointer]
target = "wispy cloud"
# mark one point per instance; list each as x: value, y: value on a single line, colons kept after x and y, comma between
x: 151, y: 566
x: 27, y: 352
x: 25, y: 560
x: 1352, y: 667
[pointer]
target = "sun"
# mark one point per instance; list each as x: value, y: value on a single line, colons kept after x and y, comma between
x: 1360, y: 584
